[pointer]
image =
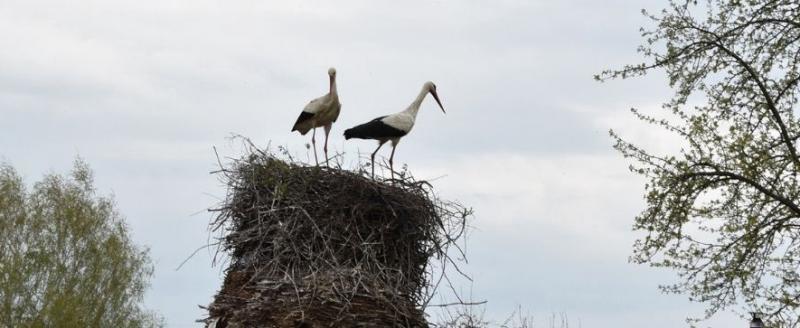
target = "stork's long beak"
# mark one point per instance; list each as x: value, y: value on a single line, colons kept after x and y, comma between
x: 330, y: 82
x: 436, y: 96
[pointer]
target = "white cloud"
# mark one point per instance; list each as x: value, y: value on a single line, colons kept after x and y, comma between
x: 581, y: 197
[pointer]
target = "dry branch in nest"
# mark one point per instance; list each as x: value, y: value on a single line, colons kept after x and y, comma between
x: 326, y: 247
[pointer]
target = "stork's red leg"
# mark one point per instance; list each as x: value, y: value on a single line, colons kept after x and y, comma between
x: 327, y: 131
x: 380, y: 144
x: 391, y: 160
x: 314, y: 144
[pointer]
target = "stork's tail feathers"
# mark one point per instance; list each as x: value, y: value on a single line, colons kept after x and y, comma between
x: 304, y: 123
x: 349, y: 133
x: 362, y: 131
x: 302, y: 129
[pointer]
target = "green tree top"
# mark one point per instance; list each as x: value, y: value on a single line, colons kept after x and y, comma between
x: 67, y: 260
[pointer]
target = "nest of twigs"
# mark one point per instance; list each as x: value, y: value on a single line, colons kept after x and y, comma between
x: 325, y: 247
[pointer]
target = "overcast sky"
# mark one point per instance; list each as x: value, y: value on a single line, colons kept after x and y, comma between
x: 143, y: 90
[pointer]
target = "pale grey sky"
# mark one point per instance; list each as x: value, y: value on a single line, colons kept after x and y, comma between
x: 143, y: 89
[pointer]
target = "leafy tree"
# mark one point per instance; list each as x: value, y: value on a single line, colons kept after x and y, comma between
x: 724, y: 212
x: 65, y: 256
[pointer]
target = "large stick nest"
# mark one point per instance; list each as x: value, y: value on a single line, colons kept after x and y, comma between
x: 325, y: 247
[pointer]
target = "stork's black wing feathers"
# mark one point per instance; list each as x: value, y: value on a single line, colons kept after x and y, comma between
x: 304, y: 116
x: 374, y: 129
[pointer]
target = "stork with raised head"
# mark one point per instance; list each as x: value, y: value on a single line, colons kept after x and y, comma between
x: 392, y: 127
x: 320, y: 112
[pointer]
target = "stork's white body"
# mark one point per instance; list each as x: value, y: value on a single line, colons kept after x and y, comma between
x: 392, y: 127
x: 320, y: 112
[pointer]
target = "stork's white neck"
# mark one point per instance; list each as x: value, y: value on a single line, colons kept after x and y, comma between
x: 333, y: 86
x: 414, y: 107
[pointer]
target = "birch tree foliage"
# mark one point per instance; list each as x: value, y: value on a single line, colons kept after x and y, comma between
x: 67, y: 260
x: 724, y: 212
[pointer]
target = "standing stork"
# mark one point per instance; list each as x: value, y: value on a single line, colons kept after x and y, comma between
x: 392, y: 127
x: 322, y: 111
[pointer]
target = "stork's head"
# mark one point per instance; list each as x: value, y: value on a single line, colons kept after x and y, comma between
x: 332, y: 78
x: 432, y: 89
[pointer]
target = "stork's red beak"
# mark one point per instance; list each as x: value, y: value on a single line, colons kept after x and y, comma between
x: 436, y: 96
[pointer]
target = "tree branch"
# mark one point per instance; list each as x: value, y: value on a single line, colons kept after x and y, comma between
x: 766, y: 191
x: 762, y: 88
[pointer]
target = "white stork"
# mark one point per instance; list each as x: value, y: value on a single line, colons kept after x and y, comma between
x: 322, y: 111
x: 392, y: 127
